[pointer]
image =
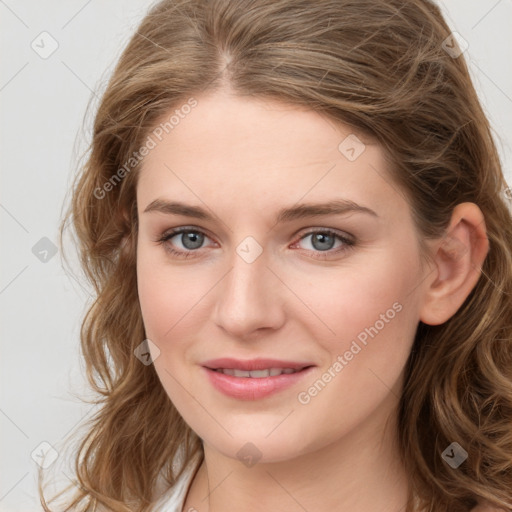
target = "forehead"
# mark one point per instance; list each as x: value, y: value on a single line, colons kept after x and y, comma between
x: 246, y: 150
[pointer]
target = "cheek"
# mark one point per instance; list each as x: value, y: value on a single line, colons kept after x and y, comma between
x: 152, y: 293
x: 348, y: 301
x: 172, y: 298
x: 154, y: 297
x: 374, y: 317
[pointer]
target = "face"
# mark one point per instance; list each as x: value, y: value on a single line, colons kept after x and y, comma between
x: 258, y: 281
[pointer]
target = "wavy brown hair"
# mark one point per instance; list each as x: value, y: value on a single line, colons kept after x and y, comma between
x: 382, y: 68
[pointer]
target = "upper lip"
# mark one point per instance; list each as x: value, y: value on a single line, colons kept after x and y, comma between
x: 253, y: 364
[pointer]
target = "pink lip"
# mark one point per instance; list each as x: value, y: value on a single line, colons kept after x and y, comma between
x: 248, y: 388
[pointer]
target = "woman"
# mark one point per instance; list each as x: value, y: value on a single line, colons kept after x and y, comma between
x: 293, y: 214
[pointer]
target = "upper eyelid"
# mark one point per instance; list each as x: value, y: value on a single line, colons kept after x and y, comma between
x: 171, y: 233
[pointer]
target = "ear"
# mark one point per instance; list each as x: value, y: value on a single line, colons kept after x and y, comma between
x: 458, y: 257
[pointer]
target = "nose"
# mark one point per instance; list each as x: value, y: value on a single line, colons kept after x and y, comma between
x: 249, y: 298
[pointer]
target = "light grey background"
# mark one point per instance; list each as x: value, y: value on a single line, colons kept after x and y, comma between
x: 43, y: 102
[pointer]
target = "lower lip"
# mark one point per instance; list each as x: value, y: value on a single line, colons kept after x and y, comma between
x: 249, y: 388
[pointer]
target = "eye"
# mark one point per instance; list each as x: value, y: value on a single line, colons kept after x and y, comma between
x: 323, y: 243
x: 190, y: 239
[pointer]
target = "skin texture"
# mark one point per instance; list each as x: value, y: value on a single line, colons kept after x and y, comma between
x: 243, y: 160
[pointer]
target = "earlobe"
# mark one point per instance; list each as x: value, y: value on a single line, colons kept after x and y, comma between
x: 458, y: 258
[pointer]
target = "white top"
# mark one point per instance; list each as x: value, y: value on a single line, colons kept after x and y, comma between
x: 174, y: 499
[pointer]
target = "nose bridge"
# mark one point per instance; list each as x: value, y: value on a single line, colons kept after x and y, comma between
x: 247, y: 298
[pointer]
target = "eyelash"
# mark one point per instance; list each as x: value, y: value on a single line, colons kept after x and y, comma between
x: 347, y: 243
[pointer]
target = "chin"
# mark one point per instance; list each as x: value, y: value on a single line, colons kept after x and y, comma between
x: 256, y: 445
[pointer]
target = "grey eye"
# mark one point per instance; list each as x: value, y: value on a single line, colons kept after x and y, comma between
x: 191, y: 239
x: 322, y: 241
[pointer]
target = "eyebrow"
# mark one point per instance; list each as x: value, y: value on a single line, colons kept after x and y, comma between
x: 301, y: 211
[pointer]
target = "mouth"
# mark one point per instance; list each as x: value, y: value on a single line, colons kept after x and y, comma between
x: 254, y: 379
